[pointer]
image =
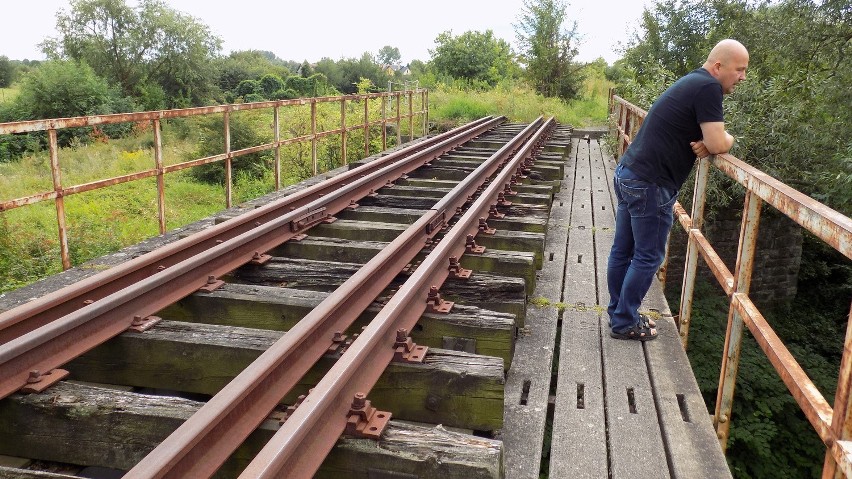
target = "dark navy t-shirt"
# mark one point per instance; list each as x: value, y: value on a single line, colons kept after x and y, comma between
x: 660, y: 153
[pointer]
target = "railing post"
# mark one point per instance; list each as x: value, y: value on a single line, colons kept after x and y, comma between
x: 384, y: 125
x: 56, y: 173
x: 410, y: 115
x: 314, y: 135
x: 398, y: 118
x: 425, y: 96
x: 161, y: 176
x: 841, y: 420
x: 276, y: 126
x: 228, y: 159
x: 734, y: 333
x: 699, y: 198
x: 366, y: 126
x: 343, y: 129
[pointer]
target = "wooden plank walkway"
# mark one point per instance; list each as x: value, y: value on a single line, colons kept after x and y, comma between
x: 607, y: 408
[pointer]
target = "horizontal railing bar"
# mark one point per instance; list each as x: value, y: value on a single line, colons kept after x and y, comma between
x: 31, y: 126
x: 829, y: 225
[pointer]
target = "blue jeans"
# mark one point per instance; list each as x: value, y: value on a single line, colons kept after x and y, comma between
x: 643, y: 220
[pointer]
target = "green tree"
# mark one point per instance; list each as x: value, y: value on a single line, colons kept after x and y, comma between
x: 61, y: 89
x: 269, y: 84
x: 134, y: 47
x: 248, y: 65
x: 473, y: 56
x: 7, y: 72
x: 345, y: 74
x: 549, y: 49
x: 305, y: 69
x: 674, y: 38
x: 389, y: 55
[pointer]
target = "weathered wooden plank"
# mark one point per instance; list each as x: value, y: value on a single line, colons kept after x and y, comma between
x: 371, y: 231
x: 203, y: 358
x: 512, y: 263
x: 74, y: 423
x: 688, y: 434
x: 529, y: 378
x: 635, y: 442
x: 545, y: 188
x: 408, y: 216
x: 579, y: 443
x: 543, y: 169
x: 490, y: 333
x: 13, y: 473
x: 417, y: 452
x: 690, y: 440
x: 541, y: 197
x: 505, y: 294
x: 447, y: 171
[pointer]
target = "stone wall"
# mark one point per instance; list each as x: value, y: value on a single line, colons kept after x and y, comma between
x: 777, y: 261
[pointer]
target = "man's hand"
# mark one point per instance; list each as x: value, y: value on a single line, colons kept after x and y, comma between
x: 699, y: 149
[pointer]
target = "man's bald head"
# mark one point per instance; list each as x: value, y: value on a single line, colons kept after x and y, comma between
x: 727, y: 62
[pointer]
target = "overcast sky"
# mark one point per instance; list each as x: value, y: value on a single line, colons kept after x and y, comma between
x: 299, y: 30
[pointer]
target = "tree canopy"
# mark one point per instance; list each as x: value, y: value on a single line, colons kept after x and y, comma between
x: 389, y: 55
x: 549, y: 48
x: 150, y: 47
x: 474, y: 56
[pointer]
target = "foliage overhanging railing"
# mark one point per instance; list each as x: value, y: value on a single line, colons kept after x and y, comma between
x: 58, y: 193
x: 834, y: 425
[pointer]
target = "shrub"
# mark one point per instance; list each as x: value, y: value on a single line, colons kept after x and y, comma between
x: 248, y: 129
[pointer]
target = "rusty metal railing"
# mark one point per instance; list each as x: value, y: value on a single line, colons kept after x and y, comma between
x: 834, y: 425
x: 159, y: 170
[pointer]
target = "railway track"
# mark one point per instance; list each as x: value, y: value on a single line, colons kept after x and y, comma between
x: 289, y: 322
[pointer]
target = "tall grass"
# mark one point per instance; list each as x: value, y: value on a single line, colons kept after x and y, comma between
x: 8, y: 94
x: 105, y: 220
x: 518, y: 102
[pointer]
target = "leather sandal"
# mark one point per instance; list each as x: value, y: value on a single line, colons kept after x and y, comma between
x: 639, y: 332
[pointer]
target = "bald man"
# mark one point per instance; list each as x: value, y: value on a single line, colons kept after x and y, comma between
x: 686, y: 121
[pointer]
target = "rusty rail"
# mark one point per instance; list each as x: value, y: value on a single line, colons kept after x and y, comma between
x: 200, y: 445
x: 58, y: 193
x: 304, y: 440
x: 834, y: 425
x: 52, y: 306
x: 44, y: 334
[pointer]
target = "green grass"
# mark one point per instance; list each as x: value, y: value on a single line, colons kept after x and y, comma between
x: 105, y: 220
x: 8, y: 94
x: 519, y: 103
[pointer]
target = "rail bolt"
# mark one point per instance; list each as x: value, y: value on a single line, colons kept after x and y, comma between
x: 401, y: 335
x: 359, y: 401
x: 34, y: 377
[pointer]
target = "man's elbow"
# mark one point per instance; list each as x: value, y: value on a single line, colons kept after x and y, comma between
x: 720, y: 145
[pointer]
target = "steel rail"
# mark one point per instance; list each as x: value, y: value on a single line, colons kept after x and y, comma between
x: 29, y: 316
x: 201, y: 444
x: 57, y: 342
x: 298, y: 448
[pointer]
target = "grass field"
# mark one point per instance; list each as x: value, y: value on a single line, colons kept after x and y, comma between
x: 105, y: 220
x: 7, y: 94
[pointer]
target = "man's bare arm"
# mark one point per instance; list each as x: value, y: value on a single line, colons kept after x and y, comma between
x: 715, y: 138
